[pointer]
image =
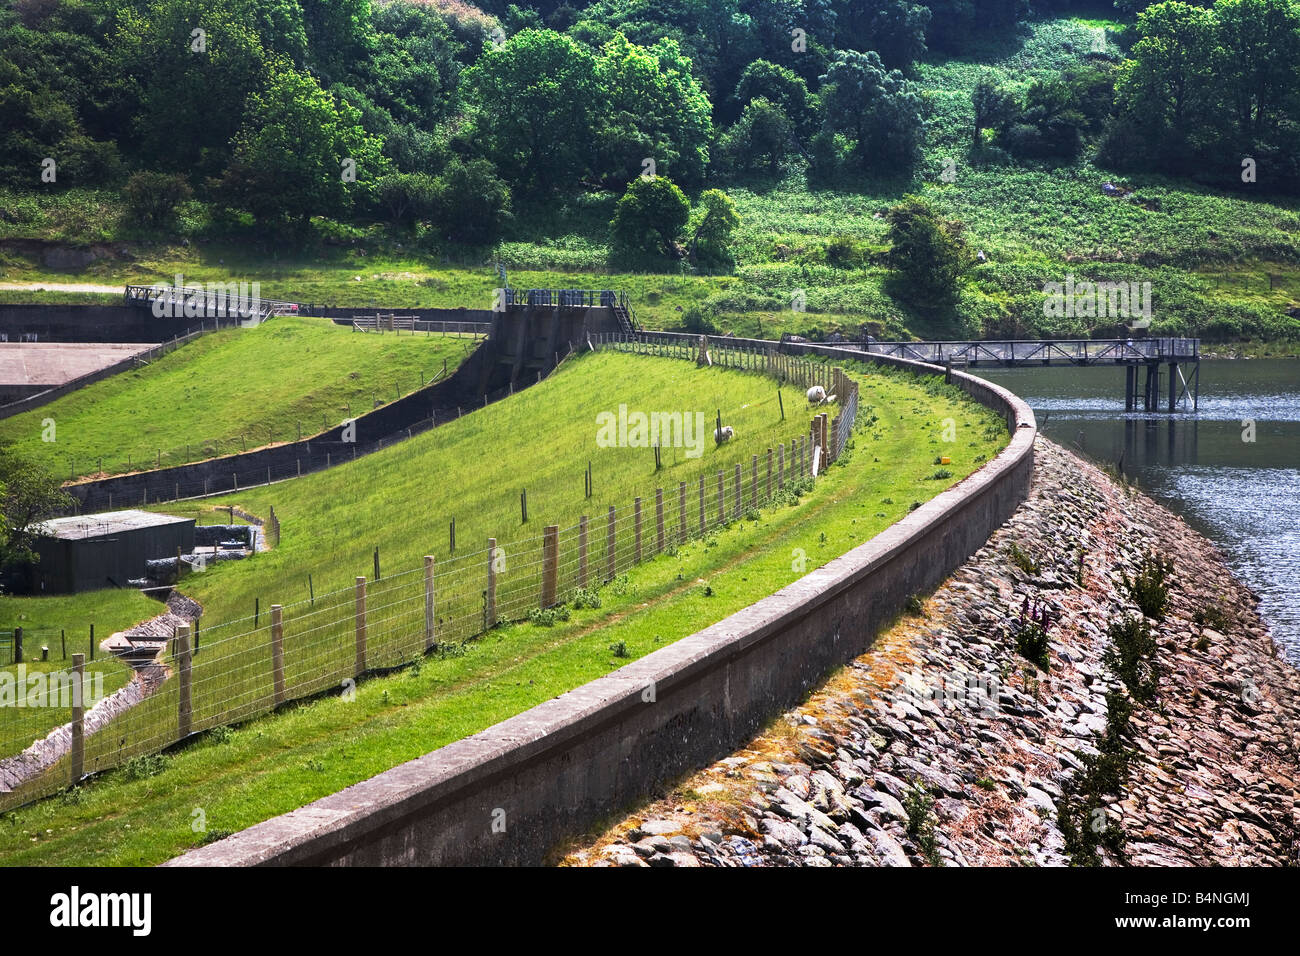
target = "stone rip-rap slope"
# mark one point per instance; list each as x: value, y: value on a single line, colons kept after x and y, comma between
x: 944, y: 703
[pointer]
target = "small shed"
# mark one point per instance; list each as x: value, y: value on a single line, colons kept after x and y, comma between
x: 86, y: 552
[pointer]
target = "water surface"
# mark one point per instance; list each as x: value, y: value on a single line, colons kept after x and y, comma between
x: 1231, y: 468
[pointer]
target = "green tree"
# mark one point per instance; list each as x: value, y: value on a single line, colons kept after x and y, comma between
x: 152, y: 199
x: 650, y: 217
x: 532, y: 100
x: 783, y: 88
x: 406, y: 197
x: 649, y: 106
x: 713, y: 221
x: 28, y: 495
x: 472, y: 202
x: 995, y: 107
x: 1165, y: 87
x: 760, y: 140
x: 300, y: 154
x: 877, y: 109
x: 928, y: 254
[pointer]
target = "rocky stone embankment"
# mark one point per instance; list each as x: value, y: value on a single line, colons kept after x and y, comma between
x: 945, y: 746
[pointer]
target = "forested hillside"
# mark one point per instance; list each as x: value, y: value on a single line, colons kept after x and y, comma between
x: 921, y: 167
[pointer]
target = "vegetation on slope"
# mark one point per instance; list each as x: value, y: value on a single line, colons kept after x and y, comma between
x: 227, y: 392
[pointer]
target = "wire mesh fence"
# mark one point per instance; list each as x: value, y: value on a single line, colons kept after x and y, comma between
x: 243, y: 668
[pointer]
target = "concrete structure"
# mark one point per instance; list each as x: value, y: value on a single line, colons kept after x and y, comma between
x: 105, y: 550
x: 28, y: 368
x: 510, y: 794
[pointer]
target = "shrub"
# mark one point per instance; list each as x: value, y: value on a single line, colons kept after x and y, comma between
x: 1132, y: 656
x: 1030, y: 631
x: 153, y: 198
x: 585, y: 597
x: 144, y: 766
x: 1022, y: 560
x: 1149, y: 588
x: 919, y: 806
x: 620, y: 649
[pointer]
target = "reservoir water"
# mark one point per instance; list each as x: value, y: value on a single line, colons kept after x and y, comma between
x: 1231, y: 469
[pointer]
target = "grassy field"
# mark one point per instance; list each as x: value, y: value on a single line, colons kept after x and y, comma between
x: 402, y: 499
x: 227, y: 392
x: 143, y: 813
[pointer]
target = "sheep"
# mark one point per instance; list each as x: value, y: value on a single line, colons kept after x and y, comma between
x: 725, y: 433
x: 817, y: 394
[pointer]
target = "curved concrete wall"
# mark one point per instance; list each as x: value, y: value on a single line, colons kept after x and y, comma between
x: 511, y: 793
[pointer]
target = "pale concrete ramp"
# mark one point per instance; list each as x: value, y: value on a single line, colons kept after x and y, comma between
x: 50, y: 364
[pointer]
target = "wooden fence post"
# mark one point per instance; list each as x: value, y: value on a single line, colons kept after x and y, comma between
x: 659, y: 521
x: 824, y: 424
x: 582, y: 551
x: 735, y: 487
x: 780, y: 467
x: 490, y: 606
x: 550, y: 563
x: 277, y: 653
x: 77, y: 755
x: 681, y: 512
x: 769, y: 475
x: 611, y: 554
x: 636, y: 525
x: 360, y: 626
x: 429, y: 636
x: 185, y: 710
x: 702, y: 519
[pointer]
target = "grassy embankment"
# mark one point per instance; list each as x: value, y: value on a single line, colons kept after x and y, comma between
x: 227, y: 392
x: 143, y: 814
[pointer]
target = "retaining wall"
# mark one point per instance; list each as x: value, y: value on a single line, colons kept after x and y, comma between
x: 510, y: 794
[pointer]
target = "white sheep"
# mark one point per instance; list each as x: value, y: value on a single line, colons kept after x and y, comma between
x: 817, y: 395
x: 725, y: 433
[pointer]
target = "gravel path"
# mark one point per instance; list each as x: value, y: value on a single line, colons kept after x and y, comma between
x: 943, y: 701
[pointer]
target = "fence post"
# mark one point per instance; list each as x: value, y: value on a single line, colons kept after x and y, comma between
x: 582, y: 551
x: 824, y: 425
x: 636, y: 531
x: 185, y: 710
x: 702, y: 521
x: 361, y: 626
x: 835, y: 436
x: 277, y: 652
x: 611, y: 565
x: 490, y: 605
x: 428, y: 603
x: 77, y: 755
x: 769, y: 475
x: 722, y: 511
x: 659, y: 521
x: 735, y: 483
x: 780, y: 466
x: 681, y: 512
x: 550, y: 563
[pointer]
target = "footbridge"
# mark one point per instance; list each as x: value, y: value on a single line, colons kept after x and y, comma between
x: 1182, y: 356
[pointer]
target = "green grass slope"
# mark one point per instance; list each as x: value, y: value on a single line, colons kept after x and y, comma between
x: 228, y: 391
